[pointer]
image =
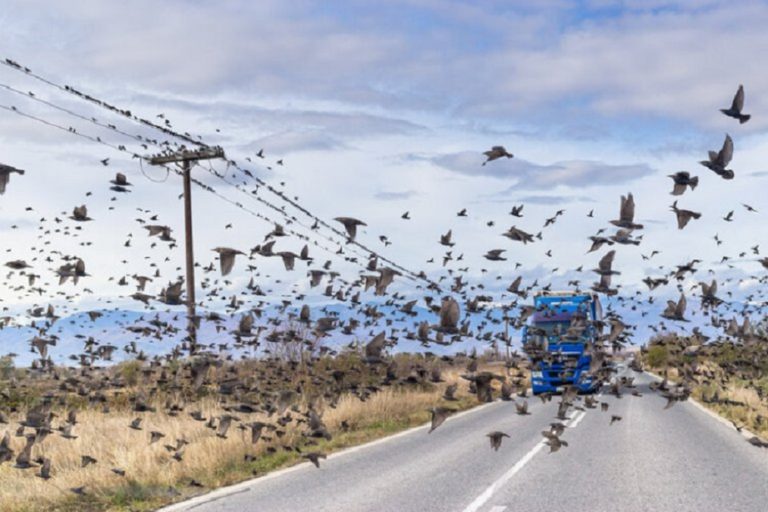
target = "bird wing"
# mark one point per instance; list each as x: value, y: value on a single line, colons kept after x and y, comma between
x: 375, y: 346
x: 725, y: 155
x: 738, y: 100
x: 628, y: 208
x: 449, y: 314
x: 680, y: 308
x: 226, y: 261
x: 607, y: 261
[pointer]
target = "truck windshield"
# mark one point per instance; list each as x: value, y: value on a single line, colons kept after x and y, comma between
x: 551, y: 332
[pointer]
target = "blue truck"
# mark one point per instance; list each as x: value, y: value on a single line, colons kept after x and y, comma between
x: 557, y: 340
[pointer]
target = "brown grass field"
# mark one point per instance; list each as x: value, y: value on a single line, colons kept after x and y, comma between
x: 153, y: 478
x: 753, y: 415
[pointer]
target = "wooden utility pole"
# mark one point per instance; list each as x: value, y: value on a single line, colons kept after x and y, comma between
x: 506, y: 335
x: 186, y: 158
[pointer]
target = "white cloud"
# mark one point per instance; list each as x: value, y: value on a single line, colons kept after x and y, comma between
x: 528, y: 175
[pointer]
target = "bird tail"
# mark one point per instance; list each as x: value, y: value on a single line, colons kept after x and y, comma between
x: 744, y: 118
x: 694, y: 182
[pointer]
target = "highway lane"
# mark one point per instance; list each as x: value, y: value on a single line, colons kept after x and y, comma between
x: 680, y: 459
x: 652, y: 460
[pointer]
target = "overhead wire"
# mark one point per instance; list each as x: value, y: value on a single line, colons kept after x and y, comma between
x: 73, y: 131
x: 188, y: 138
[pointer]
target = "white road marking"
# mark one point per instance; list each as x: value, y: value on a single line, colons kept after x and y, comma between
x: 247, y: 484
x: 491, y: 490
x: 709, y: 412
x: 498, y: 508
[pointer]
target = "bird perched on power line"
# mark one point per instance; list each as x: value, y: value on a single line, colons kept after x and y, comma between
x: 718, y: 161
x: 5, y: 175
x: 737, y: 105
x: 495, y: 153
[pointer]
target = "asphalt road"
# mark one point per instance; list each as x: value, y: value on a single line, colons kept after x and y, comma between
x: 680, y: 459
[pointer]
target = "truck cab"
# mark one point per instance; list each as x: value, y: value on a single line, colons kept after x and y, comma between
x: 558, y: 339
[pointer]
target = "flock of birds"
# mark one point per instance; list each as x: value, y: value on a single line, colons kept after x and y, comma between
x: 463, y: 312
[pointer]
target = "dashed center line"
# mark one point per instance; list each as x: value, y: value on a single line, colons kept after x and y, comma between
x: 503, y: 479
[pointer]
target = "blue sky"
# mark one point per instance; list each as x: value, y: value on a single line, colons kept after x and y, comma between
x: 378, y: 108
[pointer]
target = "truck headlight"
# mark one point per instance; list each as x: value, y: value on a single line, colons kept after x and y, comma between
x: 536, y: 375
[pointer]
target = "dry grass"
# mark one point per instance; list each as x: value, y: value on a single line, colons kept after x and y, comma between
x: 153, y: 478
x: 753, y: 415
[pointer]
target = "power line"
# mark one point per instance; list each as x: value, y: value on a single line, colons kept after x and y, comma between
x: 188, y: 138
x: 72, y: 131
x: 144, y: 141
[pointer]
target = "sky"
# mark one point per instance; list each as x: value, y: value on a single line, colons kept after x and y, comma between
x: 378, y: 108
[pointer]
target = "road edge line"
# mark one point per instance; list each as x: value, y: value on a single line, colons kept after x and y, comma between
x: 238, y: 487
x: 746, y: 434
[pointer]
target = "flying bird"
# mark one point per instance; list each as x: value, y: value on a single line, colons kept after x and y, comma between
x: 227, y: 259
x: 5, y: 175
x: 718, y: 161
x: 683, y: 216
x: 627, y: 214
x: 495, y: 438
x: 737, y: 105
x: 495, y: 153
x: 682, y: 180
x: 350, y: 224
